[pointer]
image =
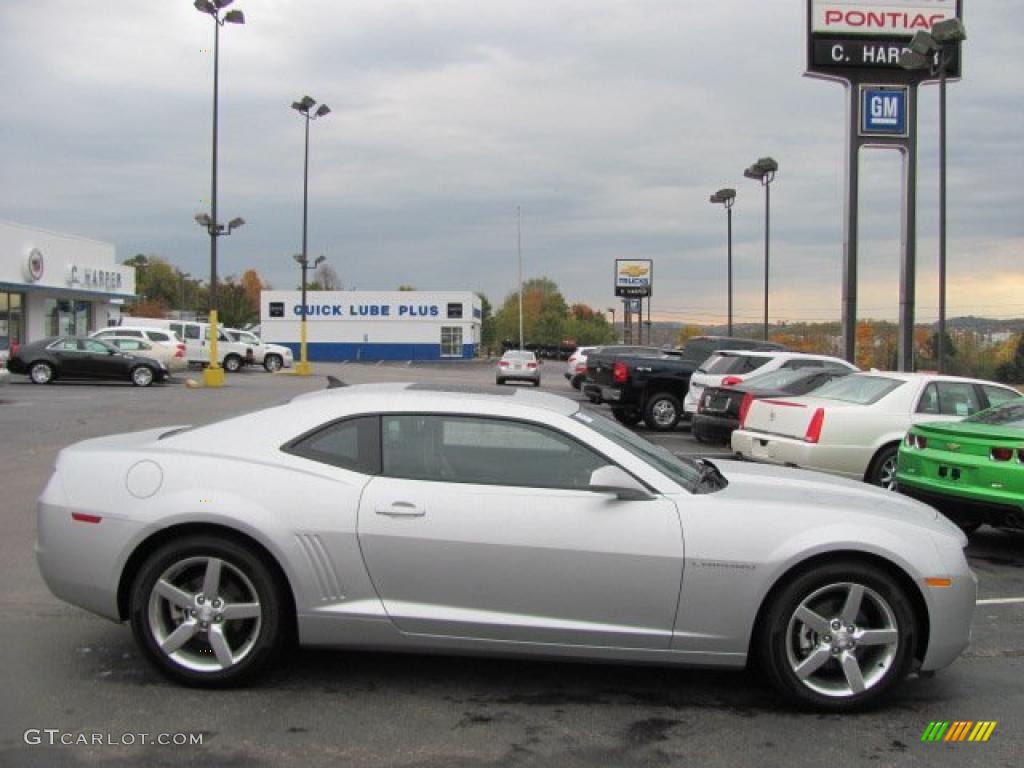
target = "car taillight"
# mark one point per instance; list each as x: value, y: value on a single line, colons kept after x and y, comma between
x: 1001, y: 454
x: 14, y: 348
x: 180, y: 351
x: 731, y: 381
x: 915, y: 441
x: 814, y: 428
x: 745, y: 408
x: 503, y: 363
x: 531, y: 366
x: 581, y: 369
x: 620, y: 373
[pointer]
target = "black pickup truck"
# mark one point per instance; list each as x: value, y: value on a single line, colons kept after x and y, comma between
x: 652, y: 389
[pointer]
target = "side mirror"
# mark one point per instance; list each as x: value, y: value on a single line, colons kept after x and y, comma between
x: 615, y: 480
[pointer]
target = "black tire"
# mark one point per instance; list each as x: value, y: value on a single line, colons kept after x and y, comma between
x: 628, y: 417
x: 789, y: 643
x: 499, y: 382
x: 536, y: 383
x: 184, y: 563
x: 40, y: 372
x: 576, y: 382
x: 232, y: 363
x: 662, y: 412
x: 272, y: 363
x: 143, y: 376
x: 968, y: 527
x: 883, y: 468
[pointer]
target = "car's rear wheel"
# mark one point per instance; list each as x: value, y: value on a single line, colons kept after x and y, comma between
x: 883, y: 468
x: 838, y: 636
x: 662, y: 412
x: 207, y: 611
x: 40, y: 373
x: 576, y: 382
x: 499, y: 381
x: 232, y: 363
x: 273, y: 363
x: 629, y: 417
x: 142, y: 376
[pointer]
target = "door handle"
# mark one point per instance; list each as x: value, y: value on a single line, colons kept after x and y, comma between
x: 401, y: 509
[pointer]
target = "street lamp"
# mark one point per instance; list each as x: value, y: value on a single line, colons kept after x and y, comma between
x: 213, y: 376
x: 934, y: 52
x: 303, y: 368
x: 304, y: 107
x: 764, y: 171
x: 727, y: 197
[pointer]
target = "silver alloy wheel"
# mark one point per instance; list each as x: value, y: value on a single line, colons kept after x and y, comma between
x: 842, y: 639
x: 41, y: 373
x: 664, y: 413
x: 142, y: 376
x: 272, y: 363
x: 232, y: 363
x: 887, y: 473
x: 205, y: 614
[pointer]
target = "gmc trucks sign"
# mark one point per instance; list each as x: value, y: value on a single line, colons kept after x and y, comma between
x: 633, y: 277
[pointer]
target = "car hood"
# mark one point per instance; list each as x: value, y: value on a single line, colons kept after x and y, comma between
x: 754, y: 484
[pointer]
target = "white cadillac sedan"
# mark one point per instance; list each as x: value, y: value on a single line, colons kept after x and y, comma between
x: 412, y: 518
x: 852, y: 427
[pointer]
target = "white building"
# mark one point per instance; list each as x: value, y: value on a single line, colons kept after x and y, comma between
x: 53, y: 284
x: 374, y: 325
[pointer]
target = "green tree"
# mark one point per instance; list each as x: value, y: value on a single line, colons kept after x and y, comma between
x: 540, y: 297
x: 488, y: 331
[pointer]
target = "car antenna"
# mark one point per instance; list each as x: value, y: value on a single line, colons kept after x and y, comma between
x: 333, y: 382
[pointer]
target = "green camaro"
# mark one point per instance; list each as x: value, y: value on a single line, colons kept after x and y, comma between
x: 972, y: 470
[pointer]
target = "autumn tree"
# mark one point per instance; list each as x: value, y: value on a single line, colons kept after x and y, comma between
x: 688, y: 332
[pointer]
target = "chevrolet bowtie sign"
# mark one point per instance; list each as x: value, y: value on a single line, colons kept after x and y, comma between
x: 634, y: 277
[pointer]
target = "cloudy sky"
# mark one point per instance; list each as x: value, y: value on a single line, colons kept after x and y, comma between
x: 608, y: 121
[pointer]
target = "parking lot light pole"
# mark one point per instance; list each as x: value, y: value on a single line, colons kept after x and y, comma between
x: 303, y: 368
x: 213, y: 376
x: 764, y: 171
x: 611, y: 311
x: 934, y: 52
x: 304, y: 107
x: 727, y: 197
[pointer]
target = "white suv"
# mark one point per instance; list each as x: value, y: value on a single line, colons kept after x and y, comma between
x: 273, y: 357
x: 196, y: 335
x: 576, y: 367
x: 728, y: 367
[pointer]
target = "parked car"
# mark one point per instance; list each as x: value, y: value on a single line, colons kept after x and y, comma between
x: 172, y: 357
x: 518, y: 365
x: 652, y: 390
x: 599, y: 357
x: 5, y: 353
x: 720, y: 409
x: 273, y: 357
x: 69, y: 357
x: 853, y: 426
x: 730, y: 367
x: 233, y: 355
x: 409, y: 517
x: 972, y: 470
x: 158, y: 335
x: 576, y: 367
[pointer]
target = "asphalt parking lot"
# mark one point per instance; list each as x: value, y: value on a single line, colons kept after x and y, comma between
x: 68, y: 671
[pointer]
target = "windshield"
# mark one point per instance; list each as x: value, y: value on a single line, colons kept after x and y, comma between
x: 1006, y: 415
x: 686, y: 474
x: 859, y: 389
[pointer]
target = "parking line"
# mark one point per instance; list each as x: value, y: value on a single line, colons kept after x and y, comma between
x: 1001, y: 601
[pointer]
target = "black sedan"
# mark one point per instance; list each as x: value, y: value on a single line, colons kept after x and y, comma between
x: 721, y: 409
x: 69, y: 357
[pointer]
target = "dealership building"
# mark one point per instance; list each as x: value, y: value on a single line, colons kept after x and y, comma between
x: 53, y: 284
x: 374, y: 325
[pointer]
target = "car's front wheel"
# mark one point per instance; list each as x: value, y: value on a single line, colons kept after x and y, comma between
x: 207, y: 611
x: 273, y: 363
x: 662, y: 412
x: 41, y: 373
x: 837, y: 636
x: 232, y: 363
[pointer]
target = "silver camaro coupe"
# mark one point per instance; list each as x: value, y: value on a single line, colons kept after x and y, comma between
x: 407, y: 518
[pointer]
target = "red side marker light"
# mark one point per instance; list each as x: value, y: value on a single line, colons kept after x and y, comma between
x: 731, y: 381
x: 81, y: 517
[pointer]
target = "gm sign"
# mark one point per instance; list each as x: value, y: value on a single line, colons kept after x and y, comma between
x: 883, y: 110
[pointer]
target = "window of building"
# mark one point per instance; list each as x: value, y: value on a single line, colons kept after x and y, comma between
x: 451, y: 342
x: 455, y: 311
x: 11, y: 319
x: 67, y: 317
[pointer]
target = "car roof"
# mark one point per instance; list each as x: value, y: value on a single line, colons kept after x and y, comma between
x: 923, y: 376
x: 774, y: 354
x: 428, y: 397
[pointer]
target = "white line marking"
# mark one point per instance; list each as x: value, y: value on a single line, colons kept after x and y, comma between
x: 1001, y: 601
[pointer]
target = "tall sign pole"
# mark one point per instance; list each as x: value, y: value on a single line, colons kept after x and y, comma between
x: 859, y: 43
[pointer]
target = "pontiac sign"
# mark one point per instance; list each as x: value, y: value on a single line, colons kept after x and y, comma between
x: 634, y: 277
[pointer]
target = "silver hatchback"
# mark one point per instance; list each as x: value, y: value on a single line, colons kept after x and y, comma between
x: 518, y: 365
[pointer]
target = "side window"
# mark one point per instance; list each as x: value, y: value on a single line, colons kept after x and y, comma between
x: 466, y: 449
x: 95, y: 347
x: 752, y: 363
x: 957, y: 398
x: 192, y: 332
x: 998, y: 395
x: 133, y: 334
x: 350, y: 444
x: 157, y: 336
x: 65, y: 345
x: 929, y: 402
x: 799, y: 362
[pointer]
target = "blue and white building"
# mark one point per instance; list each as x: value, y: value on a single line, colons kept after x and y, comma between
x: 374, y: 325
